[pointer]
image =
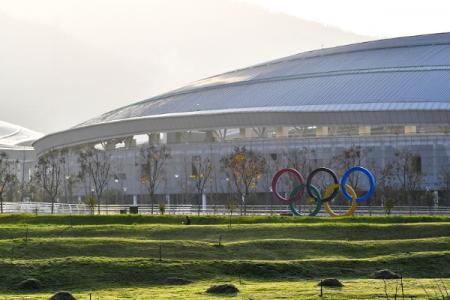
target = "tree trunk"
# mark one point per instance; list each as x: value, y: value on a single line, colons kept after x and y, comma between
x: 1, y: 203
x: 244, y: 199
x: 199, y: 204
x: 152, y: 202
x: 241, y: 204
x: 53, y: 206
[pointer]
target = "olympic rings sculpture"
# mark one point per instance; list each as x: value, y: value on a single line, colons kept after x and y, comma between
x: 329, y: 193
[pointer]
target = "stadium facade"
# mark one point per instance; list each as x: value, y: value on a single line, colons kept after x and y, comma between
x: 375, y: 98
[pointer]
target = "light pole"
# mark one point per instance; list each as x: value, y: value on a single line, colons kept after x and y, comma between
x: 116, y: 180
x: 93, y: 198
x: 177, y: 179
x: 124, y: 192
x: 65, y: 187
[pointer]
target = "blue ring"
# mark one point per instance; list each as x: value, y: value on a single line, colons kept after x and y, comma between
x: 369, y: 175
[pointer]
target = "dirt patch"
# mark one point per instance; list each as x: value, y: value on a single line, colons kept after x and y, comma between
x: 223, y: 289
x: 62, y: 296
x: 330, y: 282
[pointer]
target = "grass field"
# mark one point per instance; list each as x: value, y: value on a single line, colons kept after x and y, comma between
x: 118, y: 257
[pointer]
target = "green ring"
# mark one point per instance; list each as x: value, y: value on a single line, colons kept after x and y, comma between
x: 317, y: 197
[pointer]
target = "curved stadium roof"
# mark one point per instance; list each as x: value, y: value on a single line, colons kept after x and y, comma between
x: 401, y: 80
x: 16, y: 137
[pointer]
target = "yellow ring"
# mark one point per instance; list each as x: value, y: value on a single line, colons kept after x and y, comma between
x: 329, y: 190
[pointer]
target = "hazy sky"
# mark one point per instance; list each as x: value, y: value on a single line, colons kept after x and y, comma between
x: 65, y: 61
x: 375, y: 18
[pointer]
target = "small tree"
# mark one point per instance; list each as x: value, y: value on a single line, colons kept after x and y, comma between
x: 201, y: 171
x: 428, y: 198
x: 49, y: 173
x: 96, y: 163
x: 388, y: 205
x: 231, y: 206
x: 162, y: 208
x: 245, y: 168
x: 90, y: 202
x: 7, y: 175
x: 152, y: 165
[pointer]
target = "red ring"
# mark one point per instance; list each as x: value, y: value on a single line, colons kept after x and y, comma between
x: 277, y: 176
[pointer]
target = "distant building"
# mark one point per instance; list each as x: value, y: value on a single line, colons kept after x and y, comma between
x: 376, y: 98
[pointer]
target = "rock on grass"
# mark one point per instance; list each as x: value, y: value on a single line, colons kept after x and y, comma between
x: 385, y: 274
x: 223, y: 289
x: 330, y: 282
x: 62, y: 296
x: 30, y: 284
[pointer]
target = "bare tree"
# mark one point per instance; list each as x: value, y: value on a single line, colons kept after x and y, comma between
x: 32, y: 189
x: 49, y: 173
x: 201, y: 171
x: 274, y: 162
x: 348, y: 158
x: 85, y: 180
x: 152, y: 163
x: 444, y: 178
x: 408, y: 173
x: 245, y: 168
x: 385, y: 190
x: 304, y: 159
x: 7, y: 175
x: 96, y: 163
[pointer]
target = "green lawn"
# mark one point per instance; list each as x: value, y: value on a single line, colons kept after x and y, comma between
x: 117, y: 257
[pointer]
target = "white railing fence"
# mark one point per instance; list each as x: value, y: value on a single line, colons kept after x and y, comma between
x: 188, y: 209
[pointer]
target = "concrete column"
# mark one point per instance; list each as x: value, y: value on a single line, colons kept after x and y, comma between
x: 245, y: 133
x: 203, y: 202
x: 210, y: 136
x: 364, y: 130
x: 154, y: 138
x: 322, y: 131
x: 163, y: 138
x: 282, y: 132
x: 410, y: 129
x: 168, y: 200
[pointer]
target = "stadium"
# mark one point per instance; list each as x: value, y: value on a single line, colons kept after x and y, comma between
x: 372, y: 103
x: 15, y: 142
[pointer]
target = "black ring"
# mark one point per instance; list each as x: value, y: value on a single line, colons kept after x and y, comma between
x: 331, y: 173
